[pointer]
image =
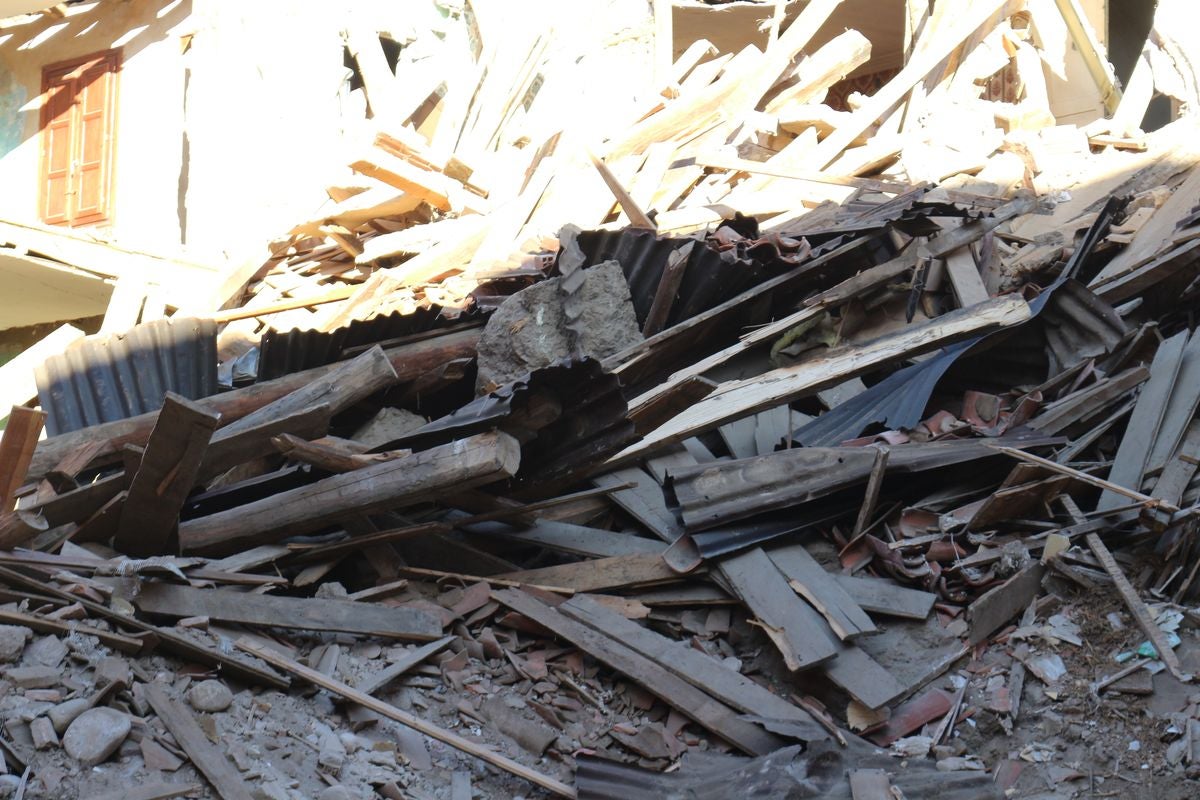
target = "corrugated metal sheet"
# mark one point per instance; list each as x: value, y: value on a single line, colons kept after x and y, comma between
x: 723, y: 264
x: 284, y: 352
x: 710, y: 277
x: 107, y: 378
x: 899, y: 400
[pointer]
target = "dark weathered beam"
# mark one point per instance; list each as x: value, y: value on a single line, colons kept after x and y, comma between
x: 301, y: 613
x: 450, y: 467
x: 409, y: 361
x: 168, y: 470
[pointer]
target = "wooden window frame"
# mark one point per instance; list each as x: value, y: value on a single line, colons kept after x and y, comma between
x: 51, y: 74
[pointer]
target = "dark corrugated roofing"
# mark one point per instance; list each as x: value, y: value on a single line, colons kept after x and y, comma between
x: 284, y: 352
x: 107, y: 378
x: 587, y: 421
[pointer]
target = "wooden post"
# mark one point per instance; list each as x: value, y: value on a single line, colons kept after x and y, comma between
x: 16, y: 451
x: 167, y: 473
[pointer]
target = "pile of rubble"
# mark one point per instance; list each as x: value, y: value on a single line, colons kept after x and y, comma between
x: 761, y: 442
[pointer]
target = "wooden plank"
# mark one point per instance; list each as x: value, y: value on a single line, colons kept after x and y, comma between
x: 17, y: 446
x: 1092, y: 480
x: 227, y: 449
x: 707, y: 712
x: 1137, y: 608
x: 301, y: 613
x: 563, y: 537
x: 433, y: 188
x: 737, y: 398
x: 340, y: 388
x: 1001, y: 603
x: 881, y: 596
x: 1157, y: 235
x: 373, y: 683
x: 1058, y: 416
x: 450, y: 467
x: 637, y: 217
x: 1178, y: 472
x: 204, y: 755
x: 42, y: 624
x: 168, y: 472
x: 644, y: 502
x: 17, y: 384
x: 697, y: 668
x: 404, y: 718
x: 168, y: 639
x: 1180, y: 408
x: 816, y: 73
x: 668, y: 289
x: 639, y: 569
x: 819, y: 588
x: 796, y: 629
x: 885, y: 98
x: 871, y: 495
x: 1129, y: 464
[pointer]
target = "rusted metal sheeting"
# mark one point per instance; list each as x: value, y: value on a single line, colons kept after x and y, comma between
x: 107, y: 378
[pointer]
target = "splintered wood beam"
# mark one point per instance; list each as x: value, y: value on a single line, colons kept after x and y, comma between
x: 455, y: 466
x: 668, y: 288
x: 637, y: 217
x: 797, y: 630
x: 301, y: 613
x: 204, y: 755
x: 339, y: 389
x: 329, y: 457
x: 1137, y: 608
x: 614, y: 572
x: 811, y: 581
x: 801, y: 634
x: 681, y: 695
x: 738, y: 398
x: 168, y: 471
x: 228, y: 449
x: 404, y: 718
x: 17, y: 447
x: 409, y: 361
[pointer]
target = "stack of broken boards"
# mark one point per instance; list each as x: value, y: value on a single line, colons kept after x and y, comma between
x: 791, y: 411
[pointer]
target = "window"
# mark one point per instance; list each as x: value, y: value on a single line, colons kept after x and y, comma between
x: 78, y: 115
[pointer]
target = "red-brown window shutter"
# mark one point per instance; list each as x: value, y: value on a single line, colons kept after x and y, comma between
x: 78, y: 127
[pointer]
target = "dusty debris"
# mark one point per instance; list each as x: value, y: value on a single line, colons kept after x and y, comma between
x: 774, y: 437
